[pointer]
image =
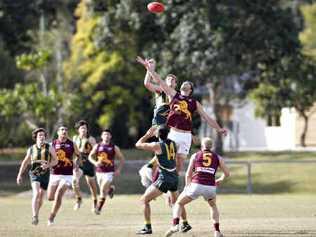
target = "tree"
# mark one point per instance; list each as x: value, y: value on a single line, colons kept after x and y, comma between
x: 102, y: 66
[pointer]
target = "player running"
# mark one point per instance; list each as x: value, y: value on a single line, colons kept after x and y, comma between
x: 42, y: 157
x: 84, y: 142
x: 105, y: 152
x: 62, y: 173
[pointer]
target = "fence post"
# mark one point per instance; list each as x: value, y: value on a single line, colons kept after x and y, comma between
x: 249, y: 184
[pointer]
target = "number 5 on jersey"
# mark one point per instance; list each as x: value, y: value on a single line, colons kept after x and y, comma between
x: 207, y: 159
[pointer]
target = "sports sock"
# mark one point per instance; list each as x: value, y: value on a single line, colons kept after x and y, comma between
x: 216, y: 227
x: 147, y: 225
x: 101, y: 203
x: 176, y: 221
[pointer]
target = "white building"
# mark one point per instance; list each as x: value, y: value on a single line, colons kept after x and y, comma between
x: 250, y: 133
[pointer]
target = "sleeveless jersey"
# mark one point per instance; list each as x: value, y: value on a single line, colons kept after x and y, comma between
x: 205, y: 166
x: 84, y: 145
x: 105, y: 153
x: 64, y: 151
x: 38, y: 155
x: 167, y: 158
x: 181, y: 111
x: 161, y: 99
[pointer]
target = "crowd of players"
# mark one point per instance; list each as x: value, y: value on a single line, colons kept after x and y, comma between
x: 58, y: 166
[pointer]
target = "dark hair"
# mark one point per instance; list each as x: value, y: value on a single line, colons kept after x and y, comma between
x: 192, y: 86
x: 36, y: 131
x: 163, y: 131
x: 106, y: 130
x: 81, y: 123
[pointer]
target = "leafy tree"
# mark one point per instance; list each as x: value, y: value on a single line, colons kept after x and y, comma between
x: 104, y: 71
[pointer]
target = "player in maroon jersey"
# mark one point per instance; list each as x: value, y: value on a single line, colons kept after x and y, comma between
x: 200, y: 181
x: 105, y: 152
x: 182, y: 107
x: 62, y: 174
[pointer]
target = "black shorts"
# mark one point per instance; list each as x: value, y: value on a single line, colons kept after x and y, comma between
x: 166, y: 183
x: 160, y: 115
x: 42, y: 179
x: 87, y: 168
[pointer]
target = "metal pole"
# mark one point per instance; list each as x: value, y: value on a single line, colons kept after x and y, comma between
x: 249, y: 184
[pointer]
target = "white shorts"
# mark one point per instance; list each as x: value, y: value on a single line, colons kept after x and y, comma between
x: 103, y: 177
x: 77, y: 175
x: 182, y: 139
x: 146, y: 175
x: 59, y: 179
x: 195, y: 190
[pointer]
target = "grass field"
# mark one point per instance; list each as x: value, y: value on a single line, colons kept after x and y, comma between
x: 267, y: 178
x: 241, y: 215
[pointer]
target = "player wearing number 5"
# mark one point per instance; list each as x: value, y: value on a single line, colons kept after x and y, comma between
x: 165, y: 151
x: 200, y: 181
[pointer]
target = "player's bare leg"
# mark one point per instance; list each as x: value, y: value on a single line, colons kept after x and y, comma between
x: 76, y: 188
x: 215, y: 217
x: 104, y: 188
x: 177, y: 210
x: 151, y: 193
x: 185, y: 227
x: 180, y: 162
x: 92, y: 184
x: 57, y: 202
x: 36, y: 202
x: 51, y: 192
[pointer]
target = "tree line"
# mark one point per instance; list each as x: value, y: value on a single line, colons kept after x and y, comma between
x: 68, y: 60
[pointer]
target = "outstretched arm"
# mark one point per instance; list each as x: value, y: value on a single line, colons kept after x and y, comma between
x: 152, y: 146
x: 189, y: 173
x: 211, y: 122
x: 163, y: 85
x: 147, y: 81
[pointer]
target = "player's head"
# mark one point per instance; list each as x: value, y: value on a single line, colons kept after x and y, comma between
x: 171, y: 80
x: 207, y: 143
x: 106, y: 135
x: 62, y: 131
x: 82, y: 127
x: 162, y: 133
x: 39, y: 135
x: 187, y: 88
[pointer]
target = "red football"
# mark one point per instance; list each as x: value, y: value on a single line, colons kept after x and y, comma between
x: 156, y: 7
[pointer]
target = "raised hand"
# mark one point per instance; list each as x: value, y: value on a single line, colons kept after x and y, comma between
x: 142, y: 61
x: 223, y: 131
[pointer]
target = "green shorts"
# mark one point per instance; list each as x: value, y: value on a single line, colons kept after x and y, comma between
x: 87, y: 168
x: 160, y: 115
x: 42, y: 179
x: 166, y: 183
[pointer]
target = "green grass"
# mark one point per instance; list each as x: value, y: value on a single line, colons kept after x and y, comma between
x: 241, y: 215
x: 267, y: 178
x: 272, y: 178
x: 134, y: 154
x: 271, y: 155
